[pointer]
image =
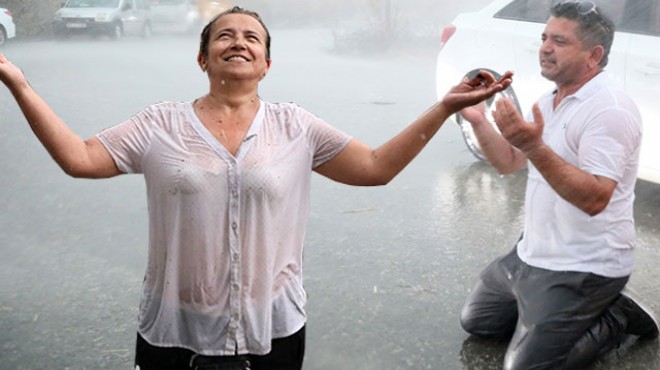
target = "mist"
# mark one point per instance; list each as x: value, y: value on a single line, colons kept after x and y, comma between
x: 387, y: 269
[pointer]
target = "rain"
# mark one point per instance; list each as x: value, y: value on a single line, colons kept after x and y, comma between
x: 387, y: 269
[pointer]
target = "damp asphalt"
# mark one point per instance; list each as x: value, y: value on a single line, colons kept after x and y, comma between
x: 386, y: 269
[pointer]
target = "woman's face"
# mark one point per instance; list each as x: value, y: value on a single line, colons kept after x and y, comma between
x: 237, y: 49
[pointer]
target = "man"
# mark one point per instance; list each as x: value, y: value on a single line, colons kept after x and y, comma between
x: 559, y: 292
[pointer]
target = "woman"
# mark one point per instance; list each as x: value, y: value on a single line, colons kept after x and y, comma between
x: 228, y: 179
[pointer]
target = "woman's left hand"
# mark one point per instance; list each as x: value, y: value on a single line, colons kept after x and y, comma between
x: 472, y: 91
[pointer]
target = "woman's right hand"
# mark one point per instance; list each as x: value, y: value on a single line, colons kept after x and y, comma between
x: 78, y: 158
x: 10, y: 75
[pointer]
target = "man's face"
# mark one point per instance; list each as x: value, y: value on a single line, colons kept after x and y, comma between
x: 562, y: 56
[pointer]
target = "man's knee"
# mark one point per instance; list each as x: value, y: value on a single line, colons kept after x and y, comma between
x: 489, y: 310
x: 484, y: 324
x: 468, y: 321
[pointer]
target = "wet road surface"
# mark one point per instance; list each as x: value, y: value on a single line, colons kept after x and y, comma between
x: 386, y: 269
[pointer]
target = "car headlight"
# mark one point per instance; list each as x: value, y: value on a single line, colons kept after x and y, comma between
x: 57, y: 17
x: 101, y: 17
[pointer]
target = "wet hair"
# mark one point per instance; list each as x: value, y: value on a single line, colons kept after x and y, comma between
x: 205, y: 36
x: 594, y: 27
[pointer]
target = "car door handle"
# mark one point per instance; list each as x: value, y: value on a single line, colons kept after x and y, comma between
x: 652, y: 68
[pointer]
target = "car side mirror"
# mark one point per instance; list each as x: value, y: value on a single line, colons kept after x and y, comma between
x: 126, y: 6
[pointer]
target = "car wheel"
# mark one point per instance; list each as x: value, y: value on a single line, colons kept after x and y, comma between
x: 116, y: 32
x: 146, y: 31
x: 466, y: 128
x: 3, y: 36
x: 59, y: 34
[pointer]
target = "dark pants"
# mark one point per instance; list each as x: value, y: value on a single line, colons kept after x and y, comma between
x: 286, y: 354
x: 557, y: 320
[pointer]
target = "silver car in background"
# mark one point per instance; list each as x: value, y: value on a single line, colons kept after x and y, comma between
x: 176, y: 16
x: 506, y: 35
x: 7, y: 26
x: 114, y: 18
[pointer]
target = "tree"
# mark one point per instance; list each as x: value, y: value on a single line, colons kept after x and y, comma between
x: 32, y: 17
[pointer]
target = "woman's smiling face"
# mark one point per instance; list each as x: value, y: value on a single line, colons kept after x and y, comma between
x: 237, y: 48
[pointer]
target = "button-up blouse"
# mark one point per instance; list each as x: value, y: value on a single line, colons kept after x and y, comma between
x: 226, y: 233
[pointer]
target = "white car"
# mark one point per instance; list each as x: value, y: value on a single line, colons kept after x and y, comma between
x: 7, y: 26
x: 115, y: 18
x: 178, y: 16
x: 506, y: 35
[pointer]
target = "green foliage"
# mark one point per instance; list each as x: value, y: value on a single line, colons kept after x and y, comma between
x: 32, y: 17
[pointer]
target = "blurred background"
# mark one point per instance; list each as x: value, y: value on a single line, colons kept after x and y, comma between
x: 386, y: 269
x: 358, y: 25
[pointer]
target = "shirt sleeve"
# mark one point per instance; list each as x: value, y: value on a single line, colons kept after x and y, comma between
x: 325, y: 140
x: 127, y: 142
x: 610, y: 140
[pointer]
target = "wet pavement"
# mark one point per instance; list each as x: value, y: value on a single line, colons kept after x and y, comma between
x: 386, y: 269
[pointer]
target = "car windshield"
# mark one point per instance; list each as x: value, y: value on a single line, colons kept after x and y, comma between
x: 92, y: 4
x: 630, y: 16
